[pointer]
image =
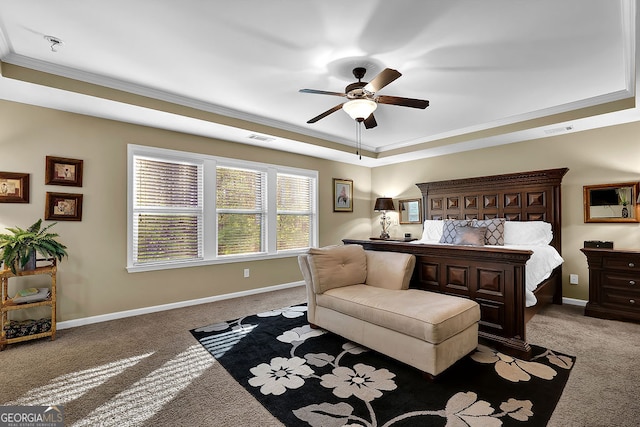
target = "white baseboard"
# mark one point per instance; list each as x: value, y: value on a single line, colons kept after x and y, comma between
x: 573, y: 301
x: 146, y: 310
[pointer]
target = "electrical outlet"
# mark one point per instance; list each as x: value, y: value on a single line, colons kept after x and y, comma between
x: 246, y: 272
x: 573, y: 279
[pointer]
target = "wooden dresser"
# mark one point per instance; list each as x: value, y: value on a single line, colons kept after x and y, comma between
x: 614, y: 284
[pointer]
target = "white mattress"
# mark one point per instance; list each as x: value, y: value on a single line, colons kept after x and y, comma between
x: 538, y: 268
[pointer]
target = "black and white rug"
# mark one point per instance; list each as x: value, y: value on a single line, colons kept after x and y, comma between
x: 307, y: 376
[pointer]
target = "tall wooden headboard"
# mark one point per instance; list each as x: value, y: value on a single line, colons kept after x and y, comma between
x: 525, y: 196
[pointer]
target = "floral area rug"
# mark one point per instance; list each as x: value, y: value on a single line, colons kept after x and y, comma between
x: 310, y: 377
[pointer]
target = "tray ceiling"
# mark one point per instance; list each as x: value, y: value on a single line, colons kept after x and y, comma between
x: 494, y: 72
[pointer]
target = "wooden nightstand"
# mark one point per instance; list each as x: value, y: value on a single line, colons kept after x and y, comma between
x: 614, y: 284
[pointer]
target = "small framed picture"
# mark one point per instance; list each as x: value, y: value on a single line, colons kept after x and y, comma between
x: 62, y: 171
x: 342, y: 195
x: 14, y: 187
x: 63, y: 206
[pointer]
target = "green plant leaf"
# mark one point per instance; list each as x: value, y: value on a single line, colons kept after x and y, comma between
x: 18, y: 245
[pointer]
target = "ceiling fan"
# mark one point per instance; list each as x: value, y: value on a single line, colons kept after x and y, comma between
x: 362, y: 98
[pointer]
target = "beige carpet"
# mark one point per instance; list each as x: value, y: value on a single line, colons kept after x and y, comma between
x: 150, y: 371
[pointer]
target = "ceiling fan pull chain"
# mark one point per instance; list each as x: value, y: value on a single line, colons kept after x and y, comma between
x: 359, y: 139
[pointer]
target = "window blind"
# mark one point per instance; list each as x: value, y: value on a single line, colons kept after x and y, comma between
x: 167, y: 217
x: 295, y: 211
x: 241, y: 210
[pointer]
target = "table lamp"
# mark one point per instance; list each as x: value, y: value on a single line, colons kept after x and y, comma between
x: 384, y: 204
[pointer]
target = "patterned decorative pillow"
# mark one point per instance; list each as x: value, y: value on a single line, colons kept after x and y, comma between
x: 449, y: 229
x: 473, y: 236
x: 495, y: 230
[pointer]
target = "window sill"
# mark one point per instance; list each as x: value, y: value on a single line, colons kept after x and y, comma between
x: 221, y: 260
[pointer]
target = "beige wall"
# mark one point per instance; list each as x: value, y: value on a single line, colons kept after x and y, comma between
x: 93, y: 280
x: 600, y: 156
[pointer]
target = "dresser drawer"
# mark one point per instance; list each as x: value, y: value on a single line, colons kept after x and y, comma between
x: 620, y: 299
x: 621, y: 263
x: 621, y: 280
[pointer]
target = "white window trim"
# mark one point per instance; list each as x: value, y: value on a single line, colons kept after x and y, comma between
x: 209, y: 206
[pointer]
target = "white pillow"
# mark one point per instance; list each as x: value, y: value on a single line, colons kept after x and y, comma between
x: 527, y: 233
x: 432, y: 230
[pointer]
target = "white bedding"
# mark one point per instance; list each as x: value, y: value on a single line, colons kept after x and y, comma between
x: 538, y: 268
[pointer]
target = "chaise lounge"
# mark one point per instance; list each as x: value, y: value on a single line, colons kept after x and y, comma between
x: 363, y: 296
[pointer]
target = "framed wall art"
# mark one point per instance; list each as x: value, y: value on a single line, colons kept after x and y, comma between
x: 63, y: 207
x: 63, y: 171
x: 14, y: 187
x: 342, y: 195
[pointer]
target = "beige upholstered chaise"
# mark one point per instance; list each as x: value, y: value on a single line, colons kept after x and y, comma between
x: 364, y: 297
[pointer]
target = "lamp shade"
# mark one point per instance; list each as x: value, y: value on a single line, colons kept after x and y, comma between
x: 359, y: 108
x: 384, y: 204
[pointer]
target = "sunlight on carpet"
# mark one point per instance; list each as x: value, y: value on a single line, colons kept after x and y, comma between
x: 147, y: 396
x: 218, y: 345
x: 66, y: 388
x: 134, y: 405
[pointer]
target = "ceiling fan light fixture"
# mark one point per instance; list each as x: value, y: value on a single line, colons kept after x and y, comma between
x: 359, y: 108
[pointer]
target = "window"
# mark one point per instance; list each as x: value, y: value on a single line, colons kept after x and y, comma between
x: 167, y: 211
x: 188, y: 209
x: 295, y: 211
x: 241, y: 211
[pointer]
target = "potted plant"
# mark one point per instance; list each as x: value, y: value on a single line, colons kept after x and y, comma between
x: 624, y: 201
x: 22, y: 245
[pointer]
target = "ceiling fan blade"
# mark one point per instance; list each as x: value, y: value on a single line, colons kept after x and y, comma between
x: 325, y: 114
x: 370, y: 122
x: 385, y: 77
x: 321, y: 92
x: 403, y: 102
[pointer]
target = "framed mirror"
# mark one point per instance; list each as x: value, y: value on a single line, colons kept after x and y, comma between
x: 611, y: 202
x: 410, y: 211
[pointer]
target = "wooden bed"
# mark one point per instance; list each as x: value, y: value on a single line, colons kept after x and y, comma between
x: 492, y: 276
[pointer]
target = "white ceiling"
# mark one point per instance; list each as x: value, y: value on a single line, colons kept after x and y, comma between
x: 487, y: 67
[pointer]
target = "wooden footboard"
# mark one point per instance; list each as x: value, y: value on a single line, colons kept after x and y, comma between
x: 493, y: 277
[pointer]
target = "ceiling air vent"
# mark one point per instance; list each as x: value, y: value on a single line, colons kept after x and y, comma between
x: 261, y: 138
x: 553, y: 131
